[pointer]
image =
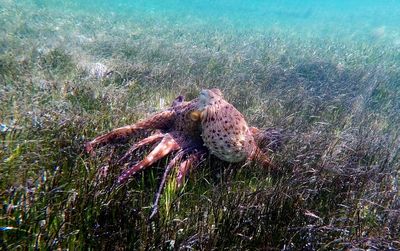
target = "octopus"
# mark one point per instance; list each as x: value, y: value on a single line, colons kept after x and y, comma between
x: 190, y: 130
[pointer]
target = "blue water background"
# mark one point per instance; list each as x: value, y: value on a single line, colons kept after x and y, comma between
x: 360, y: 20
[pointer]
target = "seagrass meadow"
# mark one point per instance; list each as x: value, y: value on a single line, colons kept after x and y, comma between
x: 70, y: 71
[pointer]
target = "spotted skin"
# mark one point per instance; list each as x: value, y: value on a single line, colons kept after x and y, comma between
x: 225, y: 131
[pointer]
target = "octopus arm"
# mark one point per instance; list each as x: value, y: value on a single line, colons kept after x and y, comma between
x: 161, y: 120
x: 167, y: 145
x: 149, y: 140
x: 191, y: 160
x: 171, y: 164
x: 262, y: 158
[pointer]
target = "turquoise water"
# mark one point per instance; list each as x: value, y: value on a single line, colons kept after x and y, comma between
x: 210, y: 41
x: 349, y: 33
x: 310, y: 18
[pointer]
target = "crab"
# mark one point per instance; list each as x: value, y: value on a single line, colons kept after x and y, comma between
x: 191, y: 130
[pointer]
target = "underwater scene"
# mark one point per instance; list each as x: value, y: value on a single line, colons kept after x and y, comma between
x: 259, y: 125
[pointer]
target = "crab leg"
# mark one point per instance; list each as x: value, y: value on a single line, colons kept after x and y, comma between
x: 161, y: 120
x: 167, y: 145
x: 149, y: 140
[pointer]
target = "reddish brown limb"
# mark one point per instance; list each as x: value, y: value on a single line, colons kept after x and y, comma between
x: 254, y: 130
x: 167, y: 145
x: 268, y: 140
x: 171, y: 164
x: 161, y: 120
x: 149, y: 140
x: 193, y: 160
x: 262, y: 158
